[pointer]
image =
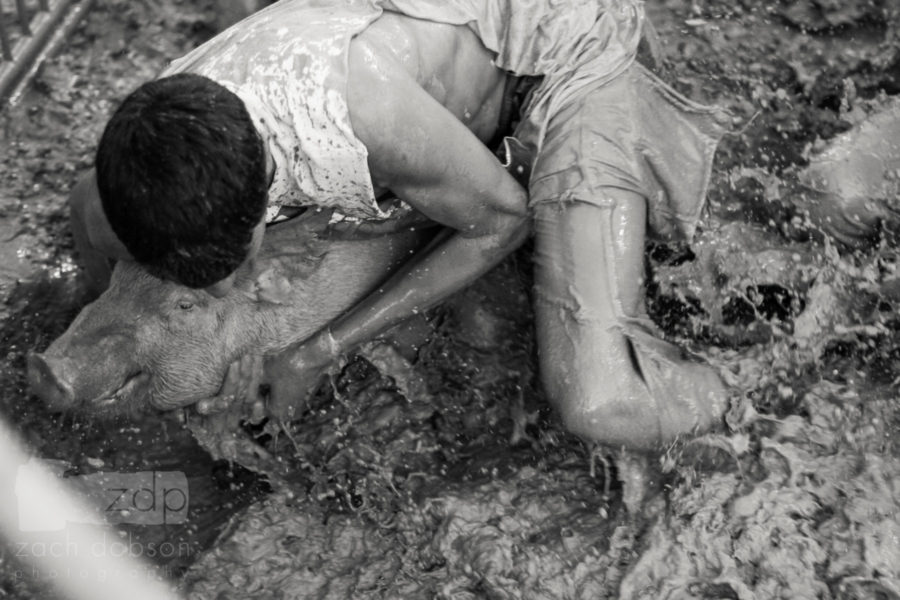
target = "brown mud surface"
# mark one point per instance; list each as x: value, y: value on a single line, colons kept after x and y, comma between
x: 444, y: 474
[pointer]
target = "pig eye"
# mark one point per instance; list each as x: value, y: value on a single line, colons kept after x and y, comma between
x: 185, y: 304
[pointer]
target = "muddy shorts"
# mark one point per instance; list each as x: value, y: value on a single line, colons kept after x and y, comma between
x: 634, y: 133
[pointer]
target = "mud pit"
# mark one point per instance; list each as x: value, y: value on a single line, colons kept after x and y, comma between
x: 448, y: 477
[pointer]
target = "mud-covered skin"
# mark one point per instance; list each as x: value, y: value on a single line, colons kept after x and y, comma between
x: 146, y: 341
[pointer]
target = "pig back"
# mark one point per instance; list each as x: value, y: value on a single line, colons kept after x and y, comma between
x: 318, y: 275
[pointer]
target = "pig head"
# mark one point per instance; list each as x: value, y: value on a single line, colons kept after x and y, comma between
x: 149, y: 342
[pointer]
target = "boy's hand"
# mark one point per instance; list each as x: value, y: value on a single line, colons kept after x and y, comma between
x: 241, y: 386
x: 295, y: 373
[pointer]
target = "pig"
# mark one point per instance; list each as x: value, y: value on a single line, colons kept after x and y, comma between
x: 146, y: 342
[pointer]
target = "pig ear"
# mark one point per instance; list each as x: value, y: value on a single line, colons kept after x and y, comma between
x: 272, y: 286
x: 221, y: 288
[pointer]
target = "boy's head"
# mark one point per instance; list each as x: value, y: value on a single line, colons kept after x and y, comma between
x: 181, y: 172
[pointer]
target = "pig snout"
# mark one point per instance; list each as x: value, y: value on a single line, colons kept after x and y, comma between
x: 49, y: 380
x: 98, y: 375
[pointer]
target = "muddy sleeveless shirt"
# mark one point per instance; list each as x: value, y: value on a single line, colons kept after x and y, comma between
x: 288, y: 63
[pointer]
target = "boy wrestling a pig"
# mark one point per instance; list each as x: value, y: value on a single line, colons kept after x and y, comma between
x: 368, y: 110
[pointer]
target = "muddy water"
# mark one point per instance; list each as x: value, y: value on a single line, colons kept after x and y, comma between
x: 448, y: 477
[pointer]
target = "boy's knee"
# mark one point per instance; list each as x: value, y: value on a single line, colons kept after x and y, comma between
x: 608, y: 425
x: 614, y: 401
x: 608, y: 404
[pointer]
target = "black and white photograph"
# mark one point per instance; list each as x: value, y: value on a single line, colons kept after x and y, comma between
x: 450, y: 299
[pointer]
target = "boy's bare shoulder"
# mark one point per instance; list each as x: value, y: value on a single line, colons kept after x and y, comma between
x: 448, y: 62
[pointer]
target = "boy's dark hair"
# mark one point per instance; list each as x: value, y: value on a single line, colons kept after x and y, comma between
x: 182, y: 178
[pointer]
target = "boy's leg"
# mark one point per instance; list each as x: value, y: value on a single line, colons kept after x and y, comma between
x: 610, y: 379
x: 603, y: 155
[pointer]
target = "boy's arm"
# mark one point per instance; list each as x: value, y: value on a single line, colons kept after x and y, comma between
x: 429, y: 159
x: 98, y: 247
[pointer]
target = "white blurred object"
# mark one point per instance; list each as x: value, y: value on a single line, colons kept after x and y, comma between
x: 142, y: 498
x: 91, y: 562
x: 43, y: 500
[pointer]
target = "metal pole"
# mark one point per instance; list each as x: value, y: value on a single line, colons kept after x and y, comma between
x: 5, y: 44
x: 50, y: 29
x: 22, y: 12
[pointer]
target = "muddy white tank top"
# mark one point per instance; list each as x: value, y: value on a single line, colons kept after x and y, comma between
x: 288, y: 63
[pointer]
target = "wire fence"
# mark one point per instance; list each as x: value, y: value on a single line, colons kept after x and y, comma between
x: 30, y: 30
